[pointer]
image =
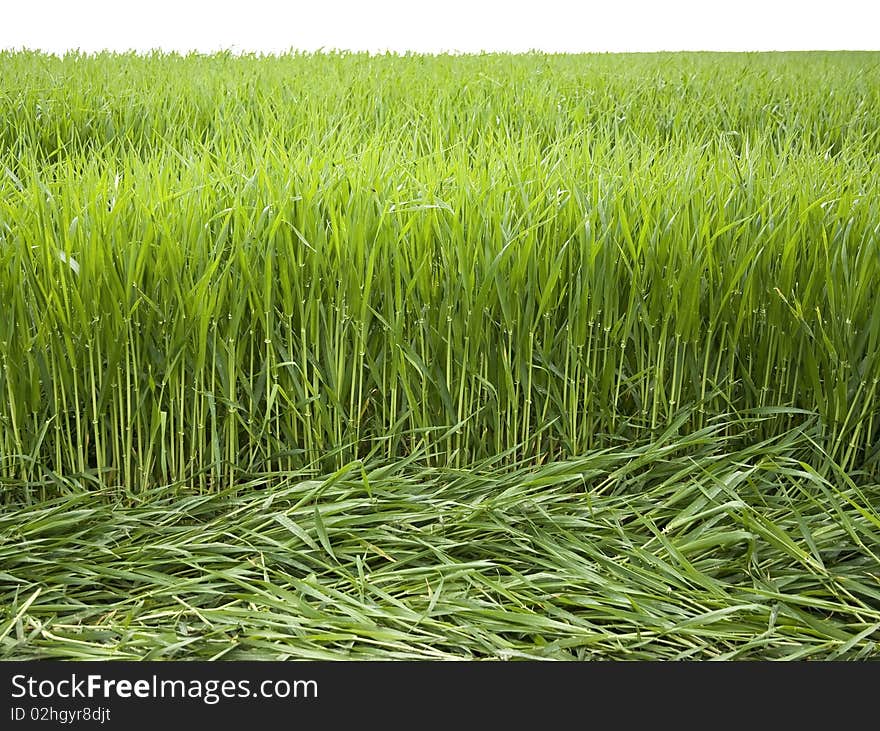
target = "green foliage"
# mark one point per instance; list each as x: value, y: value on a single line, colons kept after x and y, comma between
x: 492, y: 356
x: 680, y: 548
x: 284, y: 258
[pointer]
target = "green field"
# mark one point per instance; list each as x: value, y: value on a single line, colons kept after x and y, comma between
x: 499, y: 356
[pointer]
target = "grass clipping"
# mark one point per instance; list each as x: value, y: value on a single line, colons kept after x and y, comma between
x: 674, y: 549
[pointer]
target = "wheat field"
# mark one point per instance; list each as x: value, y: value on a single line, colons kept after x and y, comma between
x: 403, y: 356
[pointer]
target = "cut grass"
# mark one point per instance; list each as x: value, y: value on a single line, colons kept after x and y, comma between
x: 666, y: 550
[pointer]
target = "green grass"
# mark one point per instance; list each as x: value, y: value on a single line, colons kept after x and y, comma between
x: 408, y: 356
x: 677, y: 548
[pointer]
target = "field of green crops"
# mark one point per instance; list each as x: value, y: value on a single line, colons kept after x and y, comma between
x: 500, y: 356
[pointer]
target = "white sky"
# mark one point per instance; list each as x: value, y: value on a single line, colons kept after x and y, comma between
x: 441, y: 25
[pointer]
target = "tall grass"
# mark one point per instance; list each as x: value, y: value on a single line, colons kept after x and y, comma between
x: 322, y: 356
x: 215, y: 266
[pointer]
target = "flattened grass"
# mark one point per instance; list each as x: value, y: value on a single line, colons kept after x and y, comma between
x: 665, y: 550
